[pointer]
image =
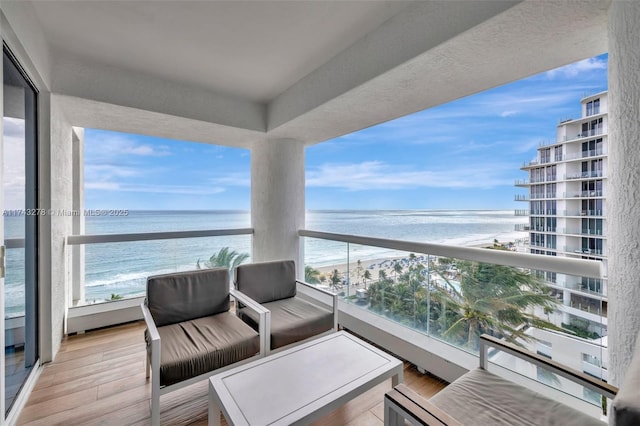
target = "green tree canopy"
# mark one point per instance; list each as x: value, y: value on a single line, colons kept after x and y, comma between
x: 496, y: 299
x: 225, y: 258
x: 311, y: 275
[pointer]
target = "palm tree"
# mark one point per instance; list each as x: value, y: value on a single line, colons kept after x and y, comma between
x: 397, y: 268
x: 382, y: 275
x: 359, y: 270
x: 365, y: 277
x: 311, y: 275
x: 335, y: 279
x: 495, y: 299
x: 225, y: 258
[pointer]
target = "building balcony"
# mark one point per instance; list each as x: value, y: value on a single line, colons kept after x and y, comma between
x: 396, y: 287
x: 521, y: 182
x: 521, y: 197
x: 99, y: 378
x: 583, y: 251
x: 584, y: 175
x: 581, y: 213
x: 584, y: 154
x: 586, y: 134
x: 583, y: 194
x: 582, y: 231
x: 521, y: 227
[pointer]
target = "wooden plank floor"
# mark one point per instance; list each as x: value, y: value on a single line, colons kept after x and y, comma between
x: 98, y: 378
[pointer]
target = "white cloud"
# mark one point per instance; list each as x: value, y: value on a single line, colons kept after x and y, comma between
x: 572, y: 70
x: 377, y: 175
x: 154, y: 189
x: 105, y: 147
x: 508, y: 113
x: 14, y: 164
x: 232, y: 179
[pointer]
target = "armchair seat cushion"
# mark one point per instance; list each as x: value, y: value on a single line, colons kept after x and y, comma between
x: 198, y: 346
x: 482, y: 398
x: 292, y: 320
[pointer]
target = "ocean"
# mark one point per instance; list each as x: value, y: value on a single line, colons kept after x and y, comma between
x: 122, y: 268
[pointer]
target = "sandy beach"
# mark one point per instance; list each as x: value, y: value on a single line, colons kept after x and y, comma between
x: 374, y: 266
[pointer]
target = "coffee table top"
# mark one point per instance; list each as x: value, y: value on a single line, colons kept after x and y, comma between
x: 288, y: 386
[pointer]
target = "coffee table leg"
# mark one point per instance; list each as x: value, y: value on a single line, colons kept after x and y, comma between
x: 214, y: 410
x: 396, y: 379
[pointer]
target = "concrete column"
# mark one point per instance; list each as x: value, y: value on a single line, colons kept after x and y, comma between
x: 277, y: 200
x: 77, y: 251
x: 623, y: 199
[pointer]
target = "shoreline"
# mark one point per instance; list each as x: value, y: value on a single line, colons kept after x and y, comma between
x: 374, y: 266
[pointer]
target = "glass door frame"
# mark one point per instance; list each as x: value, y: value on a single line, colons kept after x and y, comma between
x: 31, y: 236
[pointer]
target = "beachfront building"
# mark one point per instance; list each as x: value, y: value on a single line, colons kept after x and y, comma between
x: 274, y: 77
x: 567, y: 206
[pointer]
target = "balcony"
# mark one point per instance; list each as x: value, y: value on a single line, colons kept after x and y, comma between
x: 584, y: 175
x: 521, y: 197
x: 586, y: 134
x: 578, y: 213
x: 582, y: 231
x: 99, y: 378
x: 583, y: 194
x: 584, y: 154
x: 521, y: 227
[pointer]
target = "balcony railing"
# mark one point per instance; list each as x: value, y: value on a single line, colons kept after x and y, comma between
x: 521, y: 227
x: 584, y: 175
x: 582, y: 251
x: 116, y: 265
x: 583, y: 194
x: 521, y: 197
x: 584, y: 154
x: 429, y: 288
x: 582, y: 231
x: 593, y: 132
x: 582, y: 212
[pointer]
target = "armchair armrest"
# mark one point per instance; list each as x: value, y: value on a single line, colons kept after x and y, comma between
x: 417, y: 407
x: 575, y: 376
x: 334, y: 300
x: 264, y: 322
x: 153, y: 364
x: 151, y: 325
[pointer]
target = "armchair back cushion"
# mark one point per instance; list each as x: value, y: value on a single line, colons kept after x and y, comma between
x: 267, y: 281
x: 177, y: 297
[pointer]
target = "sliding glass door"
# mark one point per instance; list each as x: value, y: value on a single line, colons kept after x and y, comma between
x: 20, y: 213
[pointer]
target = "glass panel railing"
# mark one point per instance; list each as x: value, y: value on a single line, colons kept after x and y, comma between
x: 117, y: 270
x: 455, y: 300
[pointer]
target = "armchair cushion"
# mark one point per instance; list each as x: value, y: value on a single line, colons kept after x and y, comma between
x: 201, y: 345
x: 267, y: 281
x: 482, y: 398
x: 292, y: 320
x: 177, y: 297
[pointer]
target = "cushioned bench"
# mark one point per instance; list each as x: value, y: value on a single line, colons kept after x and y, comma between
x: 480, y: 397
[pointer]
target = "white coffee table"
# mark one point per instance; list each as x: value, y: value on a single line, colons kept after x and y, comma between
x: 300, y: 384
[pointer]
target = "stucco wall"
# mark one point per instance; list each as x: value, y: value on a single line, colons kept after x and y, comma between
x: 60, y: 197
x: 624, y: 181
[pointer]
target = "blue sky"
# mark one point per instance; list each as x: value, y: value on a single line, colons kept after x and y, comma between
x: 462, y: 155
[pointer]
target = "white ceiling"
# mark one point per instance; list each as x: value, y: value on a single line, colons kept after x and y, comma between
x: 243, y: 72
x: 253, y: 50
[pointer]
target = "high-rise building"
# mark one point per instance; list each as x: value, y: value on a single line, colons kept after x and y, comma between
x: 567, y: 212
